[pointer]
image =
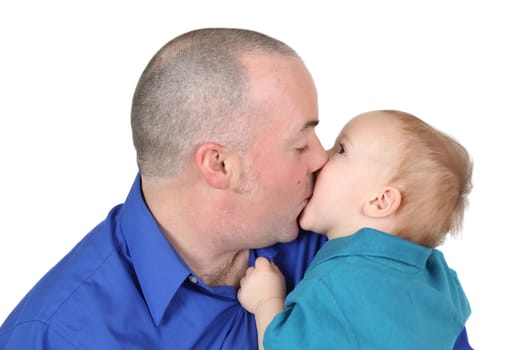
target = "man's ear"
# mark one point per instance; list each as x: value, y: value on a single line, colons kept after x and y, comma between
x: 215, y: 163
x: 383, y: 203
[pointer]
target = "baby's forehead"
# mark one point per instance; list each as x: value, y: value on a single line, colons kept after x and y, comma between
x: 375, y: 123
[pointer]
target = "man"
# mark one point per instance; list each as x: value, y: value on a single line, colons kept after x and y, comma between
x: 223, y: 124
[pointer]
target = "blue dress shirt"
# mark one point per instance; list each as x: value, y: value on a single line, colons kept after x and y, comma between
x: 123, y: 286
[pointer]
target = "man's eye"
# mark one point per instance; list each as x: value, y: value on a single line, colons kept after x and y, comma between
x: 302, y: 149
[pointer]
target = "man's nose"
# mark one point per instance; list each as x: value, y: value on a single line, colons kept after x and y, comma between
x: 319, y: 157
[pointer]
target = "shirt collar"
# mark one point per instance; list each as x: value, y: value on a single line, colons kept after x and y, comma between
x: 370, y: 242
x: 160, y: 270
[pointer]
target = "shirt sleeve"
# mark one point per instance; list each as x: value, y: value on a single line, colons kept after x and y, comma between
x: 33, y: 335
x: 462, y: 341
x: 312, y: 320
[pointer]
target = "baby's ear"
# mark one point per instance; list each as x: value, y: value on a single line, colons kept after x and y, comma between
x: 383, y: 203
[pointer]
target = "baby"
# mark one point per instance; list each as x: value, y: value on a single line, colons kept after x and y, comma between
x: 393, y: 189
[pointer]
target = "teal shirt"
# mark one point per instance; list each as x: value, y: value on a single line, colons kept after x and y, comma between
x: 372, y: 290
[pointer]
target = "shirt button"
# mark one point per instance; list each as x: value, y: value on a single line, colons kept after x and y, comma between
x: 192, y: 279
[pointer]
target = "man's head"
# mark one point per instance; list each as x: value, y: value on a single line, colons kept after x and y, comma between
x: 391, y: 171
x: 195, y: 89
x: 235, y: 111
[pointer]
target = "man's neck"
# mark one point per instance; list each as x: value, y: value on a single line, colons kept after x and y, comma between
x: 229, y: 273
x: 195, y: 234
x: 215, y: 268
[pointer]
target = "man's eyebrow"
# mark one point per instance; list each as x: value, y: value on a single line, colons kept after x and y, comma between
x: 310, y: 124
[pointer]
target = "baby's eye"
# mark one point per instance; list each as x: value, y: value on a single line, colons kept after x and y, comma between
x: 341, y: 149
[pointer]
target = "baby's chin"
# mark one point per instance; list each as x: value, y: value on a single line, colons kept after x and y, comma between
x: 305, y: 221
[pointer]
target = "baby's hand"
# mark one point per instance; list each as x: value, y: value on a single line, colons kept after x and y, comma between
x: 261, y: 283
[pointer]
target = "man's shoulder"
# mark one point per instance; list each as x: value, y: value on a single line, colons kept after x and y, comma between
x: 75, y: 286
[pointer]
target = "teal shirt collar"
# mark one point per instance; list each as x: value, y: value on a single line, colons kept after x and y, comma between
x: 371, y: 242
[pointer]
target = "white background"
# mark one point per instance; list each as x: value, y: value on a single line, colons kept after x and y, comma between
x: 68, y: 71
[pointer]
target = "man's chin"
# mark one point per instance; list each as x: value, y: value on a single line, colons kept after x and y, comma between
x: 292, y: 234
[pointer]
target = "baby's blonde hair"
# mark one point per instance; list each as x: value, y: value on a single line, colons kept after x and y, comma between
x: 434, y: 177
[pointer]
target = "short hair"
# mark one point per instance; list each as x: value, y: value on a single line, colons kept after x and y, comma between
x: 435, y: 178
x: 195, y: 90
